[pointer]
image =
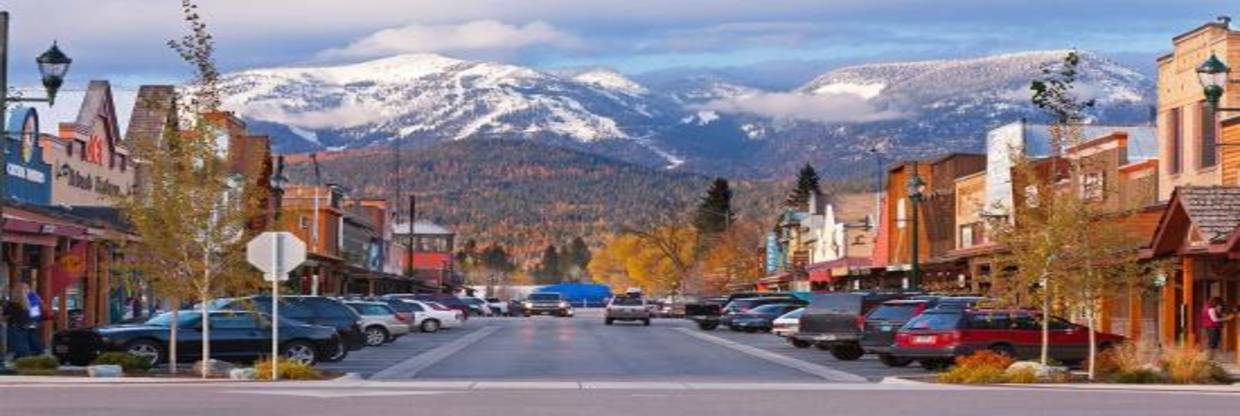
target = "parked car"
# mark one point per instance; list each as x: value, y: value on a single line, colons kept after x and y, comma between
x: 786, y: 325
x: 497, y: 306
x: 709, y: 313
x: 833, y: 321
x: 428, y: 316
x: 313, y: 310
x: 882, y: 322
x: 741, y: 306
x: 235, y: 336
x: 380, y: 323
x: 516, y: 308
x: 476, y: 306
x: 761, y: 318
x: 445, y: 299
x: 547, y: 303
x: 627, y: 308
x: 937, y: 336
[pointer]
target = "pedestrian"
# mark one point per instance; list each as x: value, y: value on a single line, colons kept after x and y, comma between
x: 1212, y: 318
x: 16, y: 313
x: 34, y: 334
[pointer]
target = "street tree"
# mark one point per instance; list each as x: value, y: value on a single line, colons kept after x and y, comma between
x: 192, y: 213
x: 714, y: 212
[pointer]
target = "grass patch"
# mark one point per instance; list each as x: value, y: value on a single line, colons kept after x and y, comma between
x: 42, y: 365
x: 128, y: 362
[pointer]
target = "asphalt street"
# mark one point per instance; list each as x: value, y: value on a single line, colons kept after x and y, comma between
x: 574, y: 366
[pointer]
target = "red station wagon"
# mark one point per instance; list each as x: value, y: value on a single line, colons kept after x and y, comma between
x: 936, y: 337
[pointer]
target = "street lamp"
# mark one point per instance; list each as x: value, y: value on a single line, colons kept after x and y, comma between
x: 916, y: 192
x: 1213, y: 77
x: 276, y: 182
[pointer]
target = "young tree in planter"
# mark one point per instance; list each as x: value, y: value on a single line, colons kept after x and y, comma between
x: 192, y: 213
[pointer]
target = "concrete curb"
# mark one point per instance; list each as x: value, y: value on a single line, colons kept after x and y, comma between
x: 1168, y: 388
x: 411, y: 367
x: 824, y: 372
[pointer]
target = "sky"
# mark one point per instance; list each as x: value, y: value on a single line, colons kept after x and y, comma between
x: 125, y: 40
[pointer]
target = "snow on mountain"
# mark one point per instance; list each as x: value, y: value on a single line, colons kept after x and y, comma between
x: 610, y: 80
x: 432, y: 97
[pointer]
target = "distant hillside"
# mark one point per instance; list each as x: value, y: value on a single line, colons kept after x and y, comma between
x: 523, y: 194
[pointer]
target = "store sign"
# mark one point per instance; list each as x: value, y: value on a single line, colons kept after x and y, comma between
x: 27, y: 174
x: 85, y: 182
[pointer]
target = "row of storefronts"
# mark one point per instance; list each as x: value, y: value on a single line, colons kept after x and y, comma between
x: 1173, y: 187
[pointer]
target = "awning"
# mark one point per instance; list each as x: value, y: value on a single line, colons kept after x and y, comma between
x: 827, y: 270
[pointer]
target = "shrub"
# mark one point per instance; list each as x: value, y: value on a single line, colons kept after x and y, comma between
x: 128, y: 362
x: 1122, y: 358
x: 1189, y: 366
x: 982, y: 367
x: 1138, y: 376
x: 1024, y: 375
x: 42, y: 365
x: 289, y: 370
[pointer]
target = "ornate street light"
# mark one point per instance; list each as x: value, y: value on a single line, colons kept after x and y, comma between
x: 916, y: 193
x: 53, y: 65
x: 1213, y: 76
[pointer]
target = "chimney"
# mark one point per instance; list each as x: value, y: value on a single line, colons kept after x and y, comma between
x: 1225, y: 21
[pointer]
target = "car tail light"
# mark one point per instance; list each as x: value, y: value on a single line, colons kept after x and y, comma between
x: 404, y: 316
x: 860, y: 322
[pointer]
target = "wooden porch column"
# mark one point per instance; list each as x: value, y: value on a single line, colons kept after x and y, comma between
x: 46, y: 260
x: 1166, y: 316
x: 105, y: 284
x: 89, y: 286
x: 1190, y: 324
x: 1134, y: 313
x: 370, y: 283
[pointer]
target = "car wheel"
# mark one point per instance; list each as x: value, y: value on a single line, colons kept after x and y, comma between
x: 893, y: 361
x: 430, y: 325
x: 708, y: 326
x: 1004, y: 349
x: 646, y: 322
x: 608, y: 321
x: 339, y: 353
x: 935, y: 364
x: 146, y: 349
x: 847, y: 352
x: 376, y: 336
x: 799, y: 343
x: 751, y: 330
x: 301, y: 352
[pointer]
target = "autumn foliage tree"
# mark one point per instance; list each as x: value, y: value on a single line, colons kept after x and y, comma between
x: 190, y: 217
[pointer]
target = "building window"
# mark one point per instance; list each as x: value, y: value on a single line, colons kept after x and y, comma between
x: 900, y: 213
x: 1208, y: 156
x: 1031, y: 196
x: 304, y: 222
x: 1093, y: 184
x: 1175, y: 146
x: 966, y: 236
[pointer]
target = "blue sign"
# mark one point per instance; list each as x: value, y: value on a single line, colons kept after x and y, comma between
x: 774, y: 256
x: 27, y: 176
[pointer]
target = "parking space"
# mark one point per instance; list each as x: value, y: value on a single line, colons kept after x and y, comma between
x: 368, y: 361
x: 868, y: 366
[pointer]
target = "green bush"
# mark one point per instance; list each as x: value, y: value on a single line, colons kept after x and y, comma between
x: 1138, y: 376
x: 41, y: 365
x: 129, y: 362
x: 1021, y: 376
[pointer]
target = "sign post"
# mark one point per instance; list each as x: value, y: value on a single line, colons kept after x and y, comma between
x: 276, y: 253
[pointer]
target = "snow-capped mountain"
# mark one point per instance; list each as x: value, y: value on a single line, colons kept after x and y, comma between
x: 424, y: 97
x: 703, y: 123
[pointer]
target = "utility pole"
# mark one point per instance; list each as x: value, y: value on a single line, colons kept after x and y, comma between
x: 314, y: 232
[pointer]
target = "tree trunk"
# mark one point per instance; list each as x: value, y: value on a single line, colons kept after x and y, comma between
x: 172, y: 336
x: 1093, y: 342
x: 206, y: 334
x: 1046, y: 322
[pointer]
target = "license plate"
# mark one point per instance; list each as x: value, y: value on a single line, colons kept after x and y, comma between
x: 828, y: 337
x: 923, y: 339
x: 885, y: 328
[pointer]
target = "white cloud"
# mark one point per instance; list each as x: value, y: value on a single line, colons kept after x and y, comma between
x: 824, y: 108
x: 472, y: 36
x: 346, y: 115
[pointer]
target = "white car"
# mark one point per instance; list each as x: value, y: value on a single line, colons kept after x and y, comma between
x: 380, y: 323
x: 497, y: 306
x: 787, y: 324
x: 477, y: 306
x: 431, y: 317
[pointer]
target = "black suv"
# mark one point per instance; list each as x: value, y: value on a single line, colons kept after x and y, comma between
x: 710, y: 313
x: 834, y: 321
x: 313, y: 310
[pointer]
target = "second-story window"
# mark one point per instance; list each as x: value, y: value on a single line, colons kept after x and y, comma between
x: 900, y: 213
x: 1175, y: 143
x: 304, y: 222
x: 966, y: 236
x: 1208, y: 156
x: 1093, y: 186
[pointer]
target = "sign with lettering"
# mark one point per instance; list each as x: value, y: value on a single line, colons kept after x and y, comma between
x: 77, y: 179
x: 25, y: 172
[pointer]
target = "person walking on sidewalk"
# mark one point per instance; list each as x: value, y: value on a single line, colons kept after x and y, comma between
x: 16, y: 313
x: 1212, y: 318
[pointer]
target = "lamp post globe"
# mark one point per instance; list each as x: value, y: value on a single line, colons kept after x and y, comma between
x: 916, y: 187
x: 53, y: 65
x: 1213, y: 77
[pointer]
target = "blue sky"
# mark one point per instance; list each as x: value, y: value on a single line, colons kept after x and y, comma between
x: 124, y: 40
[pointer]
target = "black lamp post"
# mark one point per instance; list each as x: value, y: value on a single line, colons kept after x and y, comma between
x: 916, y: 189
x: 53, y: 65
x: 276, y: 183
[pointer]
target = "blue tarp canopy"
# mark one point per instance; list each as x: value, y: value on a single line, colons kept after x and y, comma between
x: 580, y: 293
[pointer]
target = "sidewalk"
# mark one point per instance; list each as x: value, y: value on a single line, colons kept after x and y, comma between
x: 1233, y: 388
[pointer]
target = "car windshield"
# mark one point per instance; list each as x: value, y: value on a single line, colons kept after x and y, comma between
x: 773, y: 309
x: 544, y: 296
x: 934, y: 321
x: 371, y: 309
x: 794, y: 314
x: 164, y: 319
x: 627, y: 302
x: 899, y: 312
